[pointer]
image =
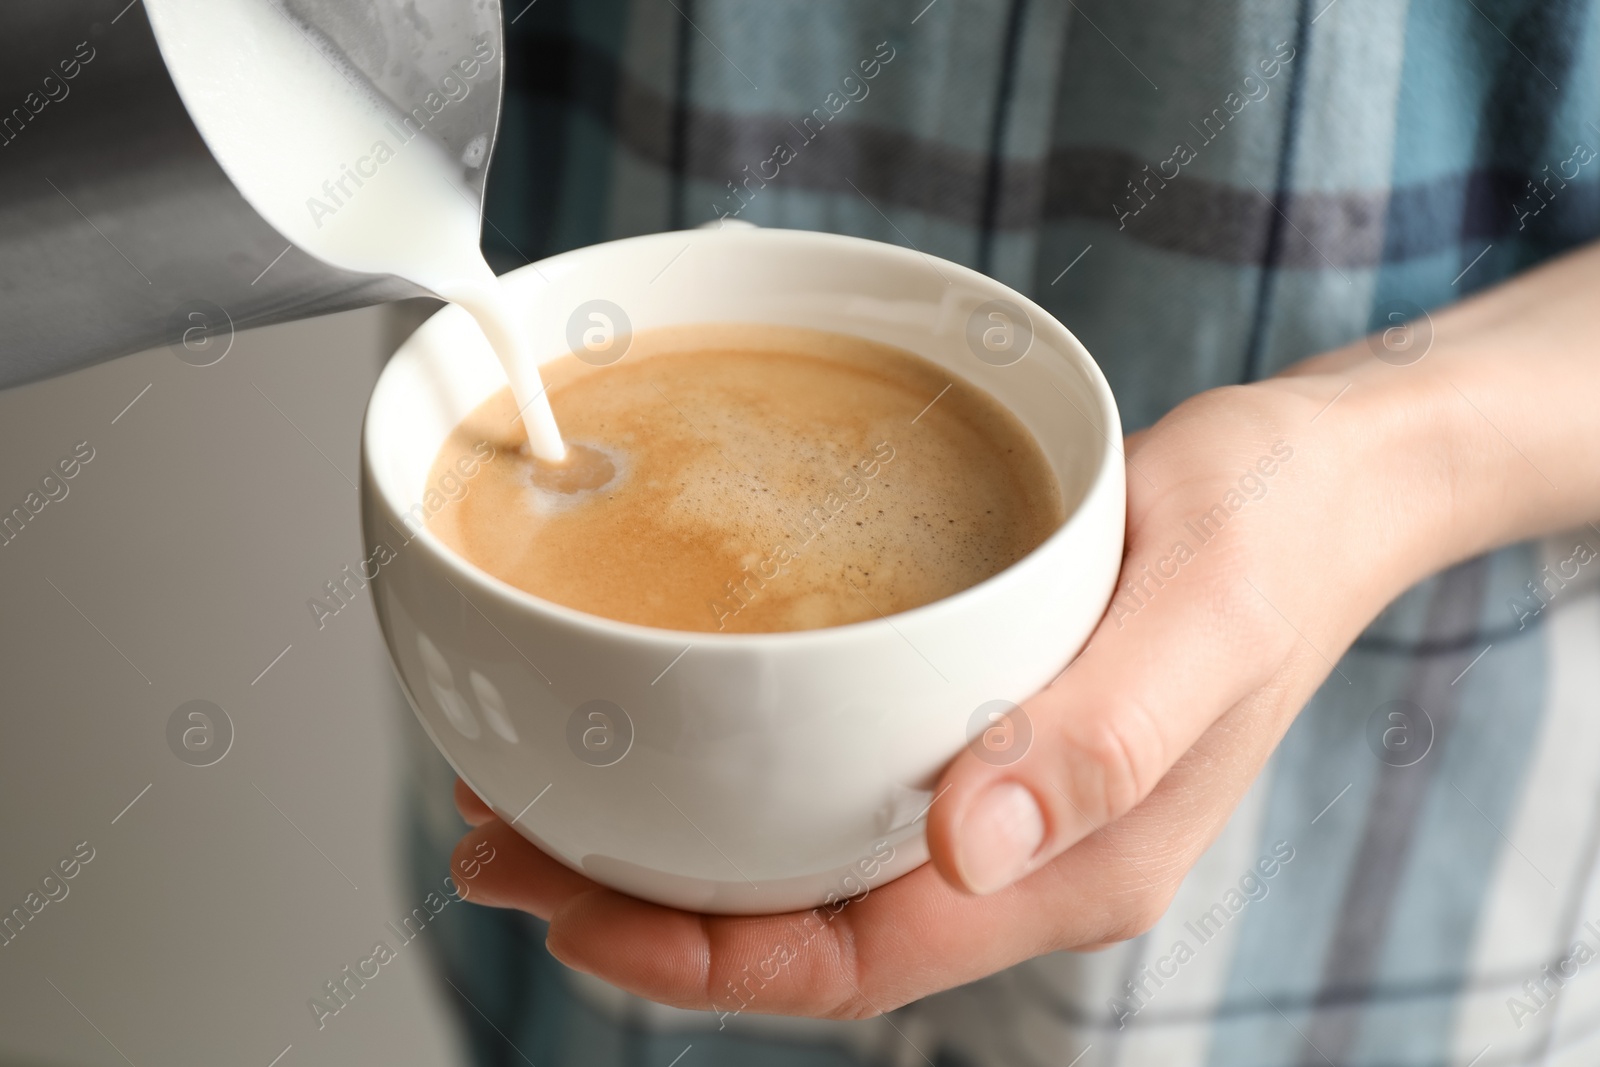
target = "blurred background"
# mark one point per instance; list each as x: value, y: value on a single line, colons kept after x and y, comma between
x: 220, y: 899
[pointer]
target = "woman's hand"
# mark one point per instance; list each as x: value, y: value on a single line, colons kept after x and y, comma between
x: 1267, y: 524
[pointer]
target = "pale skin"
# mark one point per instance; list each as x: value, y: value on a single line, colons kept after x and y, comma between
x: 1145, y: 745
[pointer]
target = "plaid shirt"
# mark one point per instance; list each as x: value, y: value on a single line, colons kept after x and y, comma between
x: 1204, y: 193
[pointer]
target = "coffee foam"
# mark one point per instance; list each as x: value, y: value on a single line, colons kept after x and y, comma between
x: 767, y: 478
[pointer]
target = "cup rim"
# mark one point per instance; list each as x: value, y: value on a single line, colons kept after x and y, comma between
x: 601, y: 626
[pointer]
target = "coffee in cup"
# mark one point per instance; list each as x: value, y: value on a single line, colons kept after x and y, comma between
x: 751, y: 478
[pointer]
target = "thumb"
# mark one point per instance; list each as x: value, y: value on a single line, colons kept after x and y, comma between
x: 1089, y: 748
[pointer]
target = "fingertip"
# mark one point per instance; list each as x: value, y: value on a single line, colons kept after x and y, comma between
x: 513, y: 872
x: 992, y: 836
x: 464, y: 858
x: 964, y: 779
x: 944, y: 819
x: 471, y: 807
x: 1001, y: 838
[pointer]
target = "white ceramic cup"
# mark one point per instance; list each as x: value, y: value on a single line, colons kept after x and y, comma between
x: 735, y: 773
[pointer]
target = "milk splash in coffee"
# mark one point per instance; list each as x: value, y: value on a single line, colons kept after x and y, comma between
x: 318, y: 152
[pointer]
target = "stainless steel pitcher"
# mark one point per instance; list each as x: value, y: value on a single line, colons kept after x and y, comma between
x: 119, y: 231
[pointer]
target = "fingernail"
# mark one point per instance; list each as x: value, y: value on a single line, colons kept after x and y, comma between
x: 999, y: 837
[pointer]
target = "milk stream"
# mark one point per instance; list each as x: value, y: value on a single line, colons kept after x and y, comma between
x: 291, y: 122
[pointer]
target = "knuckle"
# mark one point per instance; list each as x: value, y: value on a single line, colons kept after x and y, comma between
x: 852, y: 1005
x: 719, y: 991
x: 852, y: 1008
x: 1115, y: 760
x: 816, y: 972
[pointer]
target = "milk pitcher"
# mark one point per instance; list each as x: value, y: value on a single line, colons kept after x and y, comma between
x: 119, y: 229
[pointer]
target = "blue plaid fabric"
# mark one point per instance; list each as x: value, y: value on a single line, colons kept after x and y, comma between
x: 1204, y: 192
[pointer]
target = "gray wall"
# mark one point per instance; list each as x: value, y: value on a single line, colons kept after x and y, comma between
x: 177, y: 568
